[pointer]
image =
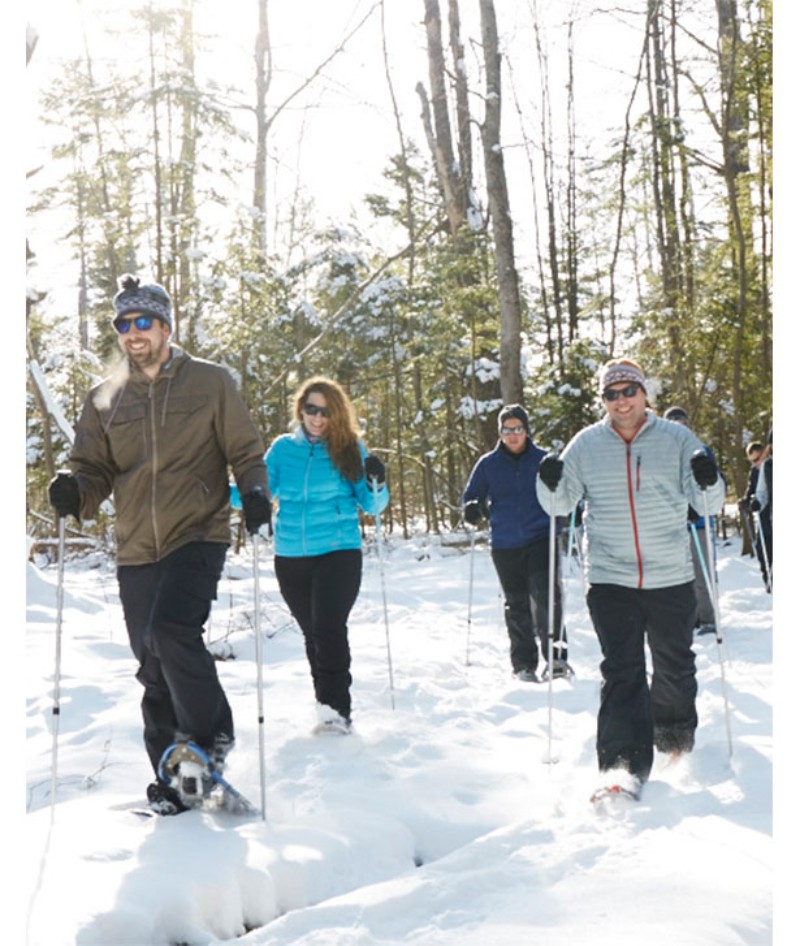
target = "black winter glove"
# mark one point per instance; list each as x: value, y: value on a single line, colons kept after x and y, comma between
x: 473, y: 511
x: 550, y: 470
x: 704, y: 469
x: 64, y: 495
x: 257, y: 510
x: 374, y: 469
x: 755, y: 505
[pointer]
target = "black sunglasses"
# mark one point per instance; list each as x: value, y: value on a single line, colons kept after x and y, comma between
x: 313, y: 409
x: 629, y: 391
x: 142, y: 322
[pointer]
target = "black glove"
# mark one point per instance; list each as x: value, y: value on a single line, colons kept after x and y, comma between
x: 257, y: 510
x: 64, y: 495
x: 755, y: 505
x: 374, y: 469
x: 473, y: 511
x: 550, y: 471
x: 704, y: 469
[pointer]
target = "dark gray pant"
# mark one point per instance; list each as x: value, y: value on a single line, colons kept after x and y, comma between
x: 166, y: 604
x: 705, y: 604
x: 632, y: 714
x: 525, y: 579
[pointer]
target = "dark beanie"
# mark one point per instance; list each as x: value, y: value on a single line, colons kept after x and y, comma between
x: 144, y: 300
x: 514, y: 410
x: 676, y: 414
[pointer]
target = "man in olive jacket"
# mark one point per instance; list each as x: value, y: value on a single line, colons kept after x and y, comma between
x: 160, y: 434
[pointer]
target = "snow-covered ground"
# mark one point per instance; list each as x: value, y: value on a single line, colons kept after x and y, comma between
x: 456, y: 814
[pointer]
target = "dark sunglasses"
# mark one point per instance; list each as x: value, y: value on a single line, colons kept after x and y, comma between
x: 313, y: 409
x: 629, y: 391
x: 512, y: 430
x: 142, y: 322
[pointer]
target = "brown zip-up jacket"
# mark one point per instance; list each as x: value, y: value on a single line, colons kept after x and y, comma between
x: 163, y: 447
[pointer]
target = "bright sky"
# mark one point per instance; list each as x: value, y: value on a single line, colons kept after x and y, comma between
x: 360, y: 132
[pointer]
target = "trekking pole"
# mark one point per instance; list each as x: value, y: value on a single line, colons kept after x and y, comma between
x: 471, y: 577
x: 57, y: 676
x: 260, y: 684
x: 711, y: 572
x: 379, y: 541
x: 551, y: 604
x: 571, y: 537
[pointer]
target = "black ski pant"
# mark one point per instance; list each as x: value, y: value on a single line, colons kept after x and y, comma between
x: 633, y: 716
x: 764, y: 518
x: 166, y: 604
x: 525, y: 580
x: 320, y: 591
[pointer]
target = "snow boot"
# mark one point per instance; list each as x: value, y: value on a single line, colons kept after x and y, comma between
x: 164, y: 800
x: 526, y: 675
x: 330, y: 721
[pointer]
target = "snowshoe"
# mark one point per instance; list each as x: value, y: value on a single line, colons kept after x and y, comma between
x: 331, y: 722
x: 185, y: 768
x: 561, y: 670
x: 618, y: 785
x: 526, y: 675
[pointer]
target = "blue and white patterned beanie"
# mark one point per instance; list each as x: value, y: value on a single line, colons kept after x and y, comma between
x: 145, y: 300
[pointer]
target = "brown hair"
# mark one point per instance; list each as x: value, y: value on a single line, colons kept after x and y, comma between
x: 342, y: 432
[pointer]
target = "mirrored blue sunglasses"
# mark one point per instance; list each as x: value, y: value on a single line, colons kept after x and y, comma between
x: 142, y: 322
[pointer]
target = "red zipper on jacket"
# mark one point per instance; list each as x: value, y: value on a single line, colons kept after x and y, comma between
x: 633, y: 508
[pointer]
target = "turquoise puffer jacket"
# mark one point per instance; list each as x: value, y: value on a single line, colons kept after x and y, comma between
x: 317, y: 507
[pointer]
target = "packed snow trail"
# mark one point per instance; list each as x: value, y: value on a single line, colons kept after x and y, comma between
x: 435, y: 822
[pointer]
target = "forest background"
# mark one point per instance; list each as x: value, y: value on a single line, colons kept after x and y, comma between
x: 444, y: 204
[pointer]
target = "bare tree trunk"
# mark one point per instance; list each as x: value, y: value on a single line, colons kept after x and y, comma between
x: 502, y: 225
x: 662, y: 122
x: 464, y: 138
x: 449, y: 176
x: 555, y: 329
x: 263, y: 64
x: 571, y: 239
x: 157, y: 171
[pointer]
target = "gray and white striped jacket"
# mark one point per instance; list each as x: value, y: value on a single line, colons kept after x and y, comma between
x: 635, y: 501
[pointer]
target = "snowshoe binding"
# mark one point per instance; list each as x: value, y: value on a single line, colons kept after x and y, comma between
x: 619, y: 786
x: 561, y: 670
x: 185, y: 768
x: 189, y: 772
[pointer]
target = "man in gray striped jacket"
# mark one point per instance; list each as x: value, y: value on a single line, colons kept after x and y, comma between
x: 636, y: 473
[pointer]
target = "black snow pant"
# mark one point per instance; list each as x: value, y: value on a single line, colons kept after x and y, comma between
x: 320, y: 591
x: 166, y: 605
x: 764, y: 518
x: 633, y: 716
x: 524, y: 578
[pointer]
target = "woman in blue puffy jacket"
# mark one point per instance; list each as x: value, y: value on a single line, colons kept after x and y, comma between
x: 319, y: 474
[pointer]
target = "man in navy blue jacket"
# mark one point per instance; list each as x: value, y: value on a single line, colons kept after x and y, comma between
x: 502, y: 486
